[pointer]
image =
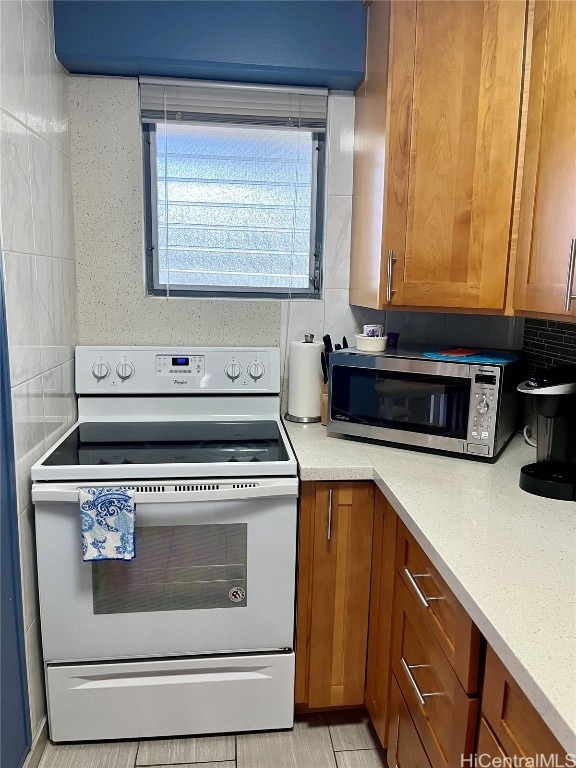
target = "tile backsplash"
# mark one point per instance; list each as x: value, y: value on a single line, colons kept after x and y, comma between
x: 547, y: 342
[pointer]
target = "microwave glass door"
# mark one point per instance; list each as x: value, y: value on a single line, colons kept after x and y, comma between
x: 409, y: 402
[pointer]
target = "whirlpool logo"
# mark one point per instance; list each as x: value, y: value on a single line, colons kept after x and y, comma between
x: 179, y: 381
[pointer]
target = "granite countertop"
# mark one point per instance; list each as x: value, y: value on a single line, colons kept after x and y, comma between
x: 509, y: 557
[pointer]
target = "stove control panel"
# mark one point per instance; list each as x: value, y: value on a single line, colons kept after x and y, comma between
x: 199, y: 370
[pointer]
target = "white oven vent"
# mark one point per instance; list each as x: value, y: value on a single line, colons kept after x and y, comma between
x: 244, y: 485
x: 148, y: 488
x: 197, y: 487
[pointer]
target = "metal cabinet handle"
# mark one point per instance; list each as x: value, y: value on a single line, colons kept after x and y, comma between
x: 412, y: 579
x: 390, y: 265
x: 329, y: 523
x: 569, y: 297
x: 408, y: 669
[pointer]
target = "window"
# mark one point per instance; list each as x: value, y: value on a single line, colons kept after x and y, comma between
x: 233, y: 189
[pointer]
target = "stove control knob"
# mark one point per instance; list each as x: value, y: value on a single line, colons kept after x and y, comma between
x: 125, y: 371
x: 100, y: 371
x: 233, y: 371
x: 256, y: 371
x: 483, y: 406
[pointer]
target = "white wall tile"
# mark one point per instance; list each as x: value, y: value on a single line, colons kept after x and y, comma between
x: 41, y: 8
x: 15, y: 196
x: 339, y: 320
x: 22, y: 317
x: 35, y: 666
x: 40, y: 176
x: 28, y: 574
x: 12, y: 95
x: 340, y: 143
x: 62, y: 223
x: 28, y: 417
x: 56, y: 309
x: 37, y: 73
x: 56, y: 404
x: 337, y: 241
x: 60, y: 123
x: 36, y: 220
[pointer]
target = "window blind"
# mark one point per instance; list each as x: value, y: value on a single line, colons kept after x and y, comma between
x: 200, y: 101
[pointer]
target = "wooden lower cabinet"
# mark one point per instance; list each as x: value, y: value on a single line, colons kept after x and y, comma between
x: 405, y: 749
x: 515, y: 726
x: 488, y: 748
x: 444, y: 715
x: 378, y: 626
x: 378, y: 673
x: 334, y: 565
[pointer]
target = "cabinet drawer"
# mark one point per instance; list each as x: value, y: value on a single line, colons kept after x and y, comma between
x: 442, y: 612
x: 443, y: 714
x: 405, y: 750
x: 516, y: 724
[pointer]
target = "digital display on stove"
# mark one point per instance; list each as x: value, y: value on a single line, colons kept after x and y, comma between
x: 181, y: 361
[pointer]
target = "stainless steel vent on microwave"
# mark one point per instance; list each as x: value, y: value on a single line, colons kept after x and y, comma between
x: 406, y: 399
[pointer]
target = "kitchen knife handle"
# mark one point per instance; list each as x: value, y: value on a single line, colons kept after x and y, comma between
x: 569, y: 296
x: 329, y: 522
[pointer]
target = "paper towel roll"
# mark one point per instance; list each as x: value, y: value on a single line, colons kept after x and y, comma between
x: 304, y: 380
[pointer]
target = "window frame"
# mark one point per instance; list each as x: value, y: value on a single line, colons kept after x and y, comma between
x: 153, y: 285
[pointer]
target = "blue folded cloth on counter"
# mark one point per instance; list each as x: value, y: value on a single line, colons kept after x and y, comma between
x: 107, y: 516
x: 486, y: 358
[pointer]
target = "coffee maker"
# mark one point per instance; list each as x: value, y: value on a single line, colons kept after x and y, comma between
x: 554, y: 400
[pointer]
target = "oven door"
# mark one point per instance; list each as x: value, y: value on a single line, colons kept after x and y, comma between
x: 214, y: 572
x: 412, y: 402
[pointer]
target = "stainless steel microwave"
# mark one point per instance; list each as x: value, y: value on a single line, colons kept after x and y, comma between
x: 406, y: 399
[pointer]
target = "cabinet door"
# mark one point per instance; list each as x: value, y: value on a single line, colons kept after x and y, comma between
x: 514, y: 721
x: 467, y: 73
x: 548, y: 204
x: 381, y: 150
x: 333, y: 594
x: 378, y: 672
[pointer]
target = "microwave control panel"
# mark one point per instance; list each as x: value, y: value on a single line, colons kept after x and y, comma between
x: 484, y: 395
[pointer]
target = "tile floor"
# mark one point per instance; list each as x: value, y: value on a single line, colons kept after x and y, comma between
x: 336, y: 740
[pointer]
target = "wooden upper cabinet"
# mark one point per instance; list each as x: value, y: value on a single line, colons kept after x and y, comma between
x: 439, y: 121
x: 548, y: 202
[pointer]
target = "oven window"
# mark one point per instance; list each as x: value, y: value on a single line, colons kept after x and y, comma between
x: 176, y: 568
x: 431, y: 405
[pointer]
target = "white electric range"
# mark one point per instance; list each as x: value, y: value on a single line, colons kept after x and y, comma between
x: 196, y: 633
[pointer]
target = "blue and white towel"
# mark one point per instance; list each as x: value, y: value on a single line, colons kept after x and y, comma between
x: 107, y: 516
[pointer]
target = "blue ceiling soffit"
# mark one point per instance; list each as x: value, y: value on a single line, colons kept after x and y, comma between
x: 287, y: 42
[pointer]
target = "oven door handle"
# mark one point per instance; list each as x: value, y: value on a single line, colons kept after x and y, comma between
x: 175, y: 493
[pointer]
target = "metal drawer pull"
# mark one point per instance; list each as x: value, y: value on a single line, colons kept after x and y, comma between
x: 390, y: 265
x: 408, y: 669
x: 569, y: 296
x: 329, y: 524
x: 412, y: 579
